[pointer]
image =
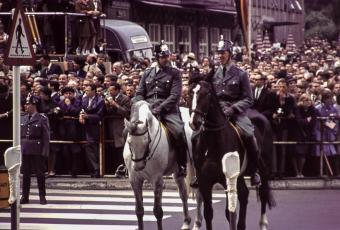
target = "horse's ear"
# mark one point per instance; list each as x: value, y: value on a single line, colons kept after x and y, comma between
x: 195, y: 77
x: 210, y: 75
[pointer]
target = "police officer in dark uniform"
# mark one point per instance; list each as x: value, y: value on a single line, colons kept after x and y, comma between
x: 234, y: 93
x: 35, y: 138
x: 161, y: 86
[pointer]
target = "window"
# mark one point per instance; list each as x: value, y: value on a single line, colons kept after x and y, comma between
x: 203, y: 41
x: 169, y: 36
x: 155, y: 34
x: 214, y: 38
x: 184, y: 39
x: 226, y: 34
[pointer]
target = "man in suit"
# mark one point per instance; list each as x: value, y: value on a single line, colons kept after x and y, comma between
x: 117, y: 109
x: 35, y: 148
x: 90, y: 116
x: 48, y: 68
x: 161, y: 86
x: 263, y: 98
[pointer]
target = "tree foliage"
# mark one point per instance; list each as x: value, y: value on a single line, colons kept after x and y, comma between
x: 322, y: 18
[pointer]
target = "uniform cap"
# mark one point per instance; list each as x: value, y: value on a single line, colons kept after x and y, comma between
x: 33, y: 100
x: 162, y: 50
x: 224, y: 45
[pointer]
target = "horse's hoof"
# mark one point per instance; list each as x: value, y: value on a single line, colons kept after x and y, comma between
x: 196, y: 227
x: 185, y: 226
x: 264, y: 226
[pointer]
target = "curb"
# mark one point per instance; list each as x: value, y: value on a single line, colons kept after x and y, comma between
x: 111, y: 183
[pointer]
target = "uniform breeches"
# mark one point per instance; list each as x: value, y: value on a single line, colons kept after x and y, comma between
x: 33, y: 164
x: 175, y: 126
x: 245, y: 125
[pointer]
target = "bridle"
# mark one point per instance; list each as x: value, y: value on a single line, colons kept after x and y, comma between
x: 207, y: 125
x: 147, y: 156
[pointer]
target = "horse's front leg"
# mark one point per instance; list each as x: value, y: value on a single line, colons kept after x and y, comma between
x: 205, y: 188
x: 198, y: 217
x: 157, y: 208
x: 137, y: 187
x: 243, y: 195
x: 183, y: 193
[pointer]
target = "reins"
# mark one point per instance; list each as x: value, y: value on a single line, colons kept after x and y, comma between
x: 147, y: 156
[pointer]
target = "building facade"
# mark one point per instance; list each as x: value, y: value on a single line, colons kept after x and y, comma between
x: 196, y: 25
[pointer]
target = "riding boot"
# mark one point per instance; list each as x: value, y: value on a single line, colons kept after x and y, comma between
x: 42, y: 189
x: 253, y: 155
x: 26, y: 183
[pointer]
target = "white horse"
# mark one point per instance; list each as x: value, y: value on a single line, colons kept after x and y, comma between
x: 149, y: 156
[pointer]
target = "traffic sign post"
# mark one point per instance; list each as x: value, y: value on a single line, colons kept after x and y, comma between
x: 18, y: 52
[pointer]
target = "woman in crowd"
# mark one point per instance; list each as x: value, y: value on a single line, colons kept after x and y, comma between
x: 305, y: 120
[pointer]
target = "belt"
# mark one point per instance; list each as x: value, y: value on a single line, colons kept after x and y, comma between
x: 156, y: 96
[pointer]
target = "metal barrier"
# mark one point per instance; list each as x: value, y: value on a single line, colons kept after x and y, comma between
x: 323, y: 156
x: 66, y: 15
x: 103, y: 141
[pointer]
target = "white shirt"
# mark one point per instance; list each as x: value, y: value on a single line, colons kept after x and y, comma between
x: 258, y: 91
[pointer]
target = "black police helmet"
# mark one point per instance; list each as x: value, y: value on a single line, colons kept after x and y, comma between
x: 33, y: 100
x: 225, y: 45
x: 162, y: 50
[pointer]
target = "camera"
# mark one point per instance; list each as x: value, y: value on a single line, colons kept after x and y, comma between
x: 279, y: 111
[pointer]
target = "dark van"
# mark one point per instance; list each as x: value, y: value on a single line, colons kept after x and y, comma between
x: 126, y: 40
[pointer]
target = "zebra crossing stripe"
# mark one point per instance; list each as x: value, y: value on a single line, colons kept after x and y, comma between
x: 111, y: 199
x: 84, y: 216
x: 118, y: 193
x: 177, y: 209
x: 27, y: 226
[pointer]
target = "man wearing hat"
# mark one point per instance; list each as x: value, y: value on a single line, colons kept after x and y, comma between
x: 235, y: 97
x: 35, y: 138
x: 69, y: 129
x: 161, y: 86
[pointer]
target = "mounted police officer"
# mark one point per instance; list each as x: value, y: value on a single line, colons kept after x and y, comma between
x: 234, y: 93
x: 161, y: 86
x: 35, y: 140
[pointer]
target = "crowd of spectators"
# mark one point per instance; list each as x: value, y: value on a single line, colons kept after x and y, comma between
x: 84, y: 100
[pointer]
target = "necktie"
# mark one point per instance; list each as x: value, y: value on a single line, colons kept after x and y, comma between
x: 257, y: 93
x: 224, y: 70
x: 29, y: 117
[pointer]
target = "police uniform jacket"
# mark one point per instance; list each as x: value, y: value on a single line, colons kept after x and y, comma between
x: 233, y: 90
x: 161, y: 87
x: 35, y: 135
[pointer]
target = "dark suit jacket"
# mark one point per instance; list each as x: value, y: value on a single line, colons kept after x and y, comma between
x: 265, y: 103
x: 54, y: 69
x: 94, y: 113
x: 115, y: 123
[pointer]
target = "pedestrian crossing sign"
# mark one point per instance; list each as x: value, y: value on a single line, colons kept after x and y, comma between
x: 19, y: 50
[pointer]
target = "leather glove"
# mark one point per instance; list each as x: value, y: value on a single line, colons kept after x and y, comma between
x: 156, y: 111
x: 228, y: 111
